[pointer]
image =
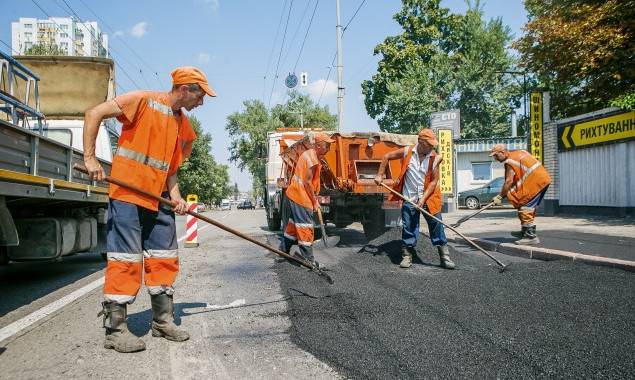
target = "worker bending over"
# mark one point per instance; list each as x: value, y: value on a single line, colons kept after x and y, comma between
x: 526, y: 182
x: 156, y: 138
x: 419, y: 183
x: 300, y: 200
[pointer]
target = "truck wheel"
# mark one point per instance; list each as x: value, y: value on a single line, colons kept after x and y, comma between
x: 374, y: 225
x: 4, y: 256
x: 273, y: 223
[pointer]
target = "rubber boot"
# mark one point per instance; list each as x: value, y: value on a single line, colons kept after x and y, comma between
x: 529, y: 237
x: 519, y: 234
x: 406, y: 258
x: 444, y: 257
x: 163, y: 319
x: 118, y: 337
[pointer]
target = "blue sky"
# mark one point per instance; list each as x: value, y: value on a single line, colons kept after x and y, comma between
x: 233, y: 42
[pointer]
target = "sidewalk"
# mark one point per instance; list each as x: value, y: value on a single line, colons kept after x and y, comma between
x: 591, y: 239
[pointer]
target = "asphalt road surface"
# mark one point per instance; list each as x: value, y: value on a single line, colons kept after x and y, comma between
x: 251, y: 316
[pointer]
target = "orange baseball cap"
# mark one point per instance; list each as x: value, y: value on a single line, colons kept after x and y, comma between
x: 322, y: 137
x: 429, y: 136
x: 190, y: 75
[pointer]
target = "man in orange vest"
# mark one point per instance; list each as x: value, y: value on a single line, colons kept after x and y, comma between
x: 419, y: 182
x: 526, y: 182
x: 156, y: 138
x: 300, y: 199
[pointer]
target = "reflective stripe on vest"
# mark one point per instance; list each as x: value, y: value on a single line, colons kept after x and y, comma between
x: 160, y: 107
x: 142, y: 158
x: 527, y: 173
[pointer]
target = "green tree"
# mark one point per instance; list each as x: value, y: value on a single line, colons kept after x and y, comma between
x: 248, y: 130
x: 443, y: 61
x: 582, y: 51
x: 42, y: 49
x: 201, y: 174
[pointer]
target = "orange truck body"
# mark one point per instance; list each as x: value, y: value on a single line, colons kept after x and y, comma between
x: 348, y: 192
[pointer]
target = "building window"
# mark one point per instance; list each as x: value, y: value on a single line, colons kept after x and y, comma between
x: 28, y: 26
x: 28, y: 35
x: 64, y: 35
x: 481, y: 171
x: 64, y: 27
x: 64, y: 46
x: 27, y: 45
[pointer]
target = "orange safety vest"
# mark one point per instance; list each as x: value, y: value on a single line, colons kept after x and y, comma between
x: 152, y: 146
x: 435, y: 200
x: 296, y: 190
x: 530, y: 177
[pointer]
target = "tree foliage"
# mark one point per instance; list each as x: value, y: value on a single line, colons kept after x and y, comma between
x: 42, y: 49
x: 582, y: 51
x: 201, y: 174
x: 443, y: 61
x: 248, y: 130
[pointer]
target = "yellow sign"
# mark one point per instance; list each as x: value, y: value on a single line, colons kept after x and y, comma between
x: 446, y: 149
x: 535, y: 120
x: 608, y: 129
x: 192, y: 198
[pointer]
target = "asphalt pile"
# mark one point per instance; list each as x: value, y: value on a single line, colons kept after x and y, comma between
x: 541, y: 319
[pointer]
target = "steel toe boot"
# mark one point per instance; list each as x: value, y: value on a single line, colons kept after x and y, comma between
x: 444, y: 257
x: 519, y: 234
x: 163, y: 319
x: 117, y: 335
x: 406, y: 257
x: 529, y: 237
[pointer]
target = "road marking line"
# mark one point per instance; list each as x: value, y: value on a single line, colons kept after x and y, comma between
x: 23, y: 323
x: 226, y: 215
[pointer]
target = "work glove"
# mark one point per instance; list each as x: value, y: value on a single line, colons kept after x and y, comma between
x: 378, y: 179
x: 497, y: 200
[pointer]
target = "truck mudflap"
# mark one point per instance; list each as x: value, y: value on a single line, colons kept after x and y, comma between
x: 8, y: 232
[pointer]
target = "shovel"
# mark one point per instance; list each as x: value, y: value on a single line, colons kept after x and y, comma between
x: 170, y: 203
x: 326, y: 241
x: 467, y: 217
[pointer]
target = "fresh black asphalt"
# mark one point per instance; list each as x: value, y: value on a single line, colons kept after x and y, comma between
x: 535, y: 320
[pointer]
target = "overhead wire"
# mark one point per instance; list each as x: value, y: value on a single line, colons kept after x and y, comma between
x: 273, y: 48
x: 350, y: 20
x: 297, y: 30
x: 123, y: 41
x: 284, y: 36
x: 305, y: 36
x: 9, y: 46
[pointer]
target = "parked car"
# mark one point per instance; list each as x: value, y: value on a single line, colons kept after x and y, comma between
x: 475, y: 198
x: 225, y: 205
x: 246, y: 205
x: 201, y: 207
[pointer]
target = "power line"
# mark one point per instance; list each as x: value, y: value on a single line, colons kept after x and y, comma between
x: 273, y: 47
x: 295, y: 34
x: 305, y: 35
x: 353, y: 17
x: 112, y: 31
x: 284, y: 36
x: 9, y: 46
x: 91, y: 32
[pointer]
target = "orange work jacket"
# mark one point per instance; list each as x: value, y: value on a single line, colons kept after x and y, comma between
x: 435, y: 201
x: 530, y: 177
x: 154, y: 142
x: 296, y: 191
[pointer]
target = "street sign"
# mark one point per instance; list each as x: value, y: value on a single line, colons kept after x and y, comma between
x: 450, y: 119
x: 304, y: 79
x: 291, y: 81
x: 446, y: 150
x: 535, y: 125
x: 610, y: 129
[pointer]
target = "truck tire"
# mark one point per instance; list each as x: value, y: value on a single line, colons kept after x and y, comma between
x: 4, y: 256
x: 273, y: 223
x: 374, y: 225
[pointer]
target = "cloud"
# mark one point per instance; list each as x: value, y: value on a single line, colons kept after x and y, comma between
x: 204, y: 58
x: 315, y: 89
x: 118, y: 33
x: 213, y: 4
x: 140, y: 29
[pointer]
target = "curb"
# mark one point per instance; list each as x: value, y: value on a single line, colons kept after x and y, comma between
x: 546, y: 254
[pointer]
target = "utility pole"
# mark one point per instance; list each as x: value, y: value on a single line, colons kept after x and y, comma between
x: 340, y: 84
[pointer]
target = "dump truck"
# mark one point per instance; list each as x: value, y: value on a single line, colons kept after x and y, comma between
x: 48, y: 210
x: 348, y: 193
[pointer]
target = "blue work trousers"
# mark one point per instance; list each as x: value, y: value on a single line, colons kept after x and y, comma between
x: 410, y: 217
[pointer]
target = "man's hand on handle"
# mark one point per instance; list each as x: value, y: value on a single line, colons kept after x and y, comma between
x: 379, y: 178
x: 181, y: 206
x: 497, y: 200
x: 95, y: 171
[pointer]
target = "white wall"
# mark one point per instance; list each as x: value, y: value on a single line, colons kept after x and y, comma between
x: 465, y: 180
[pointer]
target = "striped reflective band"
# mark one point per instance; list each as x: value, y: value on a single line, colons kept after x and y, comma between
x: 304, y: 225
x: 527, y: 173
x: 160, y: 289
x: 119, y: 298
x: 437, y: 159
x: 160, y: 107
x: 289, y: 236
x: 298, y: 179
x: 161, y: 253
x: 142, y: 158
x: 125, y: 257
x: 305, y: 243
